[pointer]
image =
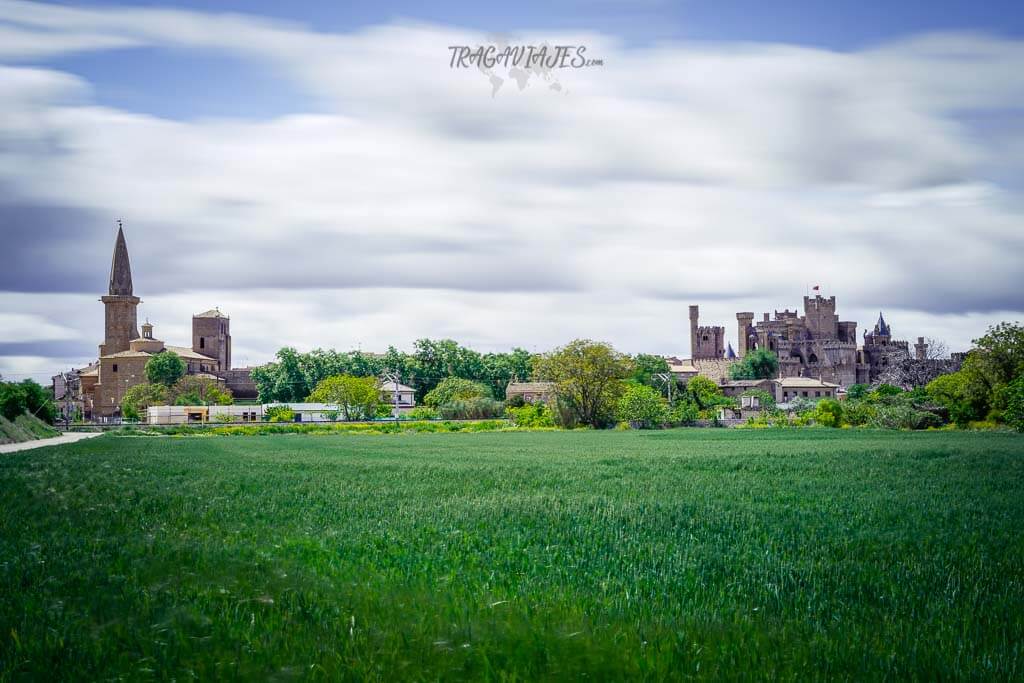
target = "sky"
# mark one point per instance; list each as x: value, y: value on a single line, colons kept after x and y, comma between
x: 320, y: 172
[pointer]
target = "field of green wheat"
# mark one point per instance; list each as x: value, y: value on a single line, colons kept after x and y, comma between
x: 711, y: 554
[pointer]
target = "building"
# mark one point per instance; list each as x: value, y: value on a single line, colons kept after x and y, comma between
x: 816, y: 344
x: 735, y: 388
x: 124, y: 352
x: 174, y: 415
x: 531, y: 392
x: 406, y: 396
x: 788, y: 388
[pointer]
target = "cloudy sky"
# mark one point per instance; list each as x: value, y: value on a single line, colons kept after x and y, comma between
x: 322, y: 175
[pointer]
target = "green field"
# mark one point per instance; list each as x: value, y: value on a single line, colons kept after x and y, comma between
x: 505, y: 556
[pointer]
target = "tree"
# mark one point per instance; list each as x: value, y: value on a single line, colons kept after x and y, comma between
x: 857, y: 391
x: 587, y: 377
x: 1014, y: 412
x: 952, y: 391
x: 703, y: 391
x: 646, y: 367
x: 39, y: 401
x: 828, y: 413
x: 356, y: 397
x: 200, y: 391
x: 139, y: 398
x: 12, y: 400
x: 757, y: 364
x: 165, y: 368
x: 642, y: 406
x: 455, y: 389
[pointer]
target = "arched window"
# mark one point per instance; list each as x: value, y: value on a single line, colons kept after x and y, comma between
x: 812, y: 358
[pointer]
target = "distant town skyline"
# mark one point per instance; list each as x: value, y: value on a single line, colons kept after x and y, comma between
x: 323, y: 176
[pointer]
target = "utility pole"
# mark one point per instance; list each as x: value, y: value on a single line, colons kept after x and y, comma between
x: 669, y: 380
x: 392, y: 376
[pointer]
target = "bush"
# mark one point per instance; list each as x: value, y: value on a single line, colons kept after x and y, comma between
x: 422, y: 413
x: 642, y: 407
x: 225, y: 417
x: 279, y: 414
x: 516, y: 401
x: 535, y: 415
x: 455, y: 389
x: 828, y: 413
x: 683, y: 413
x: 479, y: 408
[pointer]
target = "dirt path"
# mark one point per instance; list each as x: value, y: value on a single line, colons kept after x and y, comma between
x: 69, y: 437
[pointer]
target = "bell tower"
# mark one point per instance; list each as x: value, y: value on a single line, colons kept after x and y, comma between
x: 121, y: 322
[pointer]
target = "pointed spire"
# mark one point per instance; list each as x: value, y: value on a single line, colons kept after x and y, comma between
x: 120, y: 268
x: 880, y: 326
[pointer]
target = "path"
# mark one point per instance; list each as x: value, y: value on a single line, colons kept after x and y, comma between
x: 69, y: 437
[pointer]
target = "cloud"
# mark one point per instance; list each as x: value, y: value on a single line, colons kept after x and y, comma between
x: 417, y: 205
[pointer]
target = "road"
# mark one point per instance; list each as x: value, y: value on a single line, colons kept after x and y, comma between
x: 69, y: 437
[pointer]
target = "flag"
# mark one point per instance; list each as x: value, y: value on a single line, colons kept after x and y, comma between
x: 816, y: 288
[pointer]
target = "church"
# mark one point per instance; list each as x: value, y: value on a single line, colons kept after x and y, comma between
x: 124, y: 352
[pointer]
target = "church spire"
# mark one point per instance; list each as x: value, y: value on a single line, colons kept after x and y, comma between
x: 120, y: 268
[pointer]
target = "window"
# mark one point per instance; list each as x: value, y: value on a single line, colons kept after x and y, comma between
x: 805, y: 394
x: 202, y: 342
x: 817, y: 393
x: 115, y: 367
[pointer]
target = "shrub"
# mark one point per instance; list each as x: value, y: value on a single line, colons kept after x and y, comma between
x: 642, y: 407
x: 454, y: 389
x: 535, y: 415
x: 472, y: 409
x: 279, y: 414
x: 684, y: 412
x: 422, y: 413
x: 516, y: 401
x: 828, y: 413
x: 1013, y: 414
x: 225, y: 417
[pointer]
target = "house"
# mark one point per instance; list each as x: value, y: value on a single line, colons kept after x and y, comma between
x: 789, y: 388
x: 406, y: 396
x: 737, y: 387
x: 531, y: 392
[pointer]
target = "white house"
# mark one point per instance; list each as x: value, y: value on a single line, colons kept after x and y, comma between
x: 406, y: 396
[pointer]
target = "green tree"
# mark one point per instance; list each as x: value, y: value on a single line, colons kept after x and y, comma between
x: 356, y: 397
x: 646, y: 367
x: 140, y: 397
x: 12, y: 400
x: 455, y: 389
x: 704, y: 392
x: 587, y: 377
x: 165, y: 368
x: 828, y: 413
x: 39, y: 401
x: 642, y: 406
x: 955, y: 393
x: 1014, y: 412
x: 757, y: 364
x: 200, y: 391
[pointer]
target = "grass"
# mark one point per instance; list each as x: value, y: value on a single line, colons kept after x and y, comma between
x: 843, y: 554
x: 24, y: 428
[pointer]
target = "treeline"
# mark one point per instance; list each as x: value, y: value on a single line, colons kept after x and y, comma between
x: 27, y: 396
x: 294, y: 376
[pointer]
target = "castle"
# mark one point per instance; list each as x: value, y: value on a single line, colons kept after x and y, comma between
x: 97, y: 390
x: 816, y: 344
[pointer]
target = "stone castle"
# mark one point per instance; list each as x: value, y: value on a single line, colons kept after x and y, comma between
x: 816, y: 344
x: 99, y: 388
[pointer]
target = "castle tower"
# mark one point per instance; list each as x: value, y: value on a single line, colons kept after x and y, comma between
x: 211, y: 336
x: 121, y: 322
x: 743, y: 323
x: 920, y: 349
x: 694, y: 318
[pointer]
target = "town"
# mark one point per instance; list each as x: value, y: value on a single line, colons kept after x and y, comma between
x: 816, y: 354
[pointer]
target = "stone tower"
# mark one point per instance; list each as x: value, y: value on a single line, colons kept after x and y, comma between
x: 744, y: 322
x: 921, y: 349
x: 707, y: 341
x: 121, y: 323
x: 211, y: 336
